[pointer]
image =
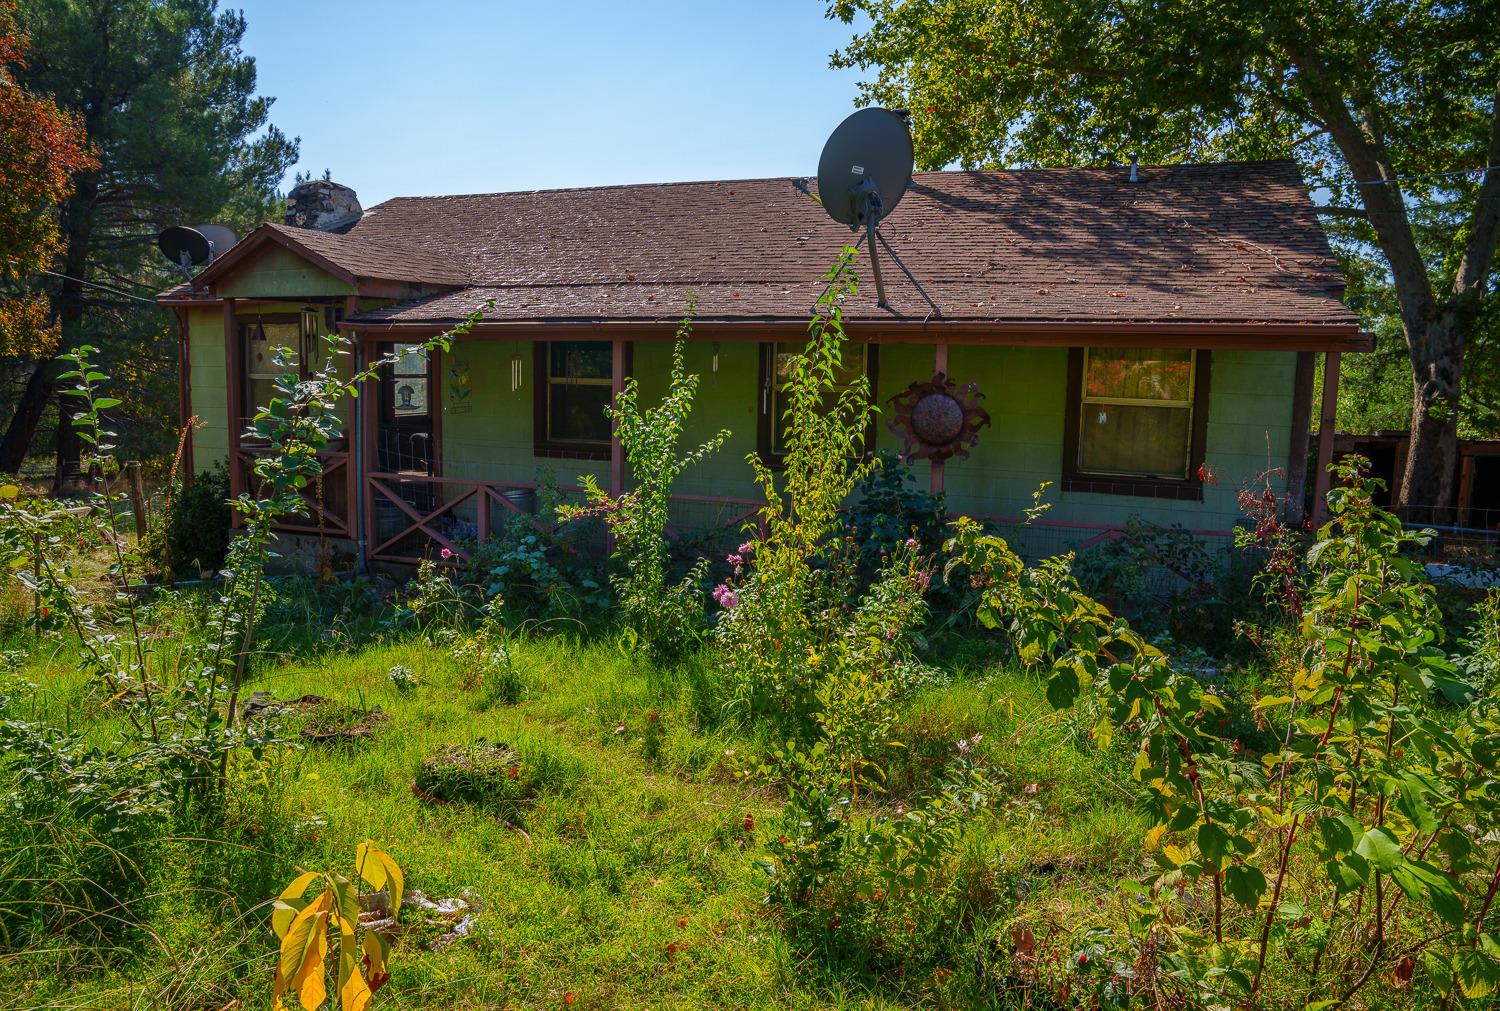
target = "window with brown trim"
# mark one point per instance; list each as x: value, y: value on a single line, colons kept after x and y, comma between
x: 1137, y: 421
x: 574, y: 384
x: 859, y: 359
x: 260, y: 336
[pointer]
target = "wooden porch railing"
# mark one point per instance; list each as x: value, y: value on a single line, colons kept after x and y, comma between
x: 448, y: 512
x: 329, y: 501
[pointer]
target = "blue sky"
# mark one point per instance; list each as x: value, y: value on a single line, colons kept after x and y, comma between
x: 443, y: 96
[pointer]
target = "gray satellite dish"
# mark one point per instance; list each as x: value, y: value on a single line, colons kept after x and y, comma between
x: 185, y: 247
x: 866, y: 166
x: 222, y: 239
x: 863, y: 173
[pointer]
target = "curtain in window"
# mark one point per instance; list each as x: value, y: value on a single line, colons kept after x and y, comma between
x: 1136, y: 412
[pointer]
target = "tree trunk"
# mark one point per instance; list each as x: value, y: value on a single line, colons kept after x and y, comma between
x: 1431, y: 460
x: 1432, y: 455
x: 77, y: 228
x: 27, y: 416
x: 69, y: 476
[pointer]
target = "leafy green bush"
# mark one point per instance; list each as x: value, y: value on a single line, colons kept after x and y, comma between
x: 1480, y: 656
x: 488, y: 666
x: 890, y: 507
x: 854, y: 882
x: 541, y: 570
x: 191, y: 535
x: 667, y: 620
x: 794, y: 626
x: 431, y: 603
x: 1278, y: 878
x: 1166, y: 580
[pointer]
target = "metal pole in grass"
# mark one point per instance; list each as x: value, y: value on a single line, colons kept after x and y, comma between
x: 36, y: 585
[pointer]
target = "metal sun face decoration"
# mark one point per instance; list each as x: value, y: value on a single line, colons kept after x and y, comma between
x: 937, y: 418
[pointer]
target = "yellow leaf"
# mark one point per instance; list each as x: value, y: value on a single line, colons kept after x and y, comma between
x: 397, y: 881
x: 306, y: 930
x: 298, y: 886
x: 378, y: 868
x: 1153, y: 837
x: 347, y: 904
x: 370, y: 867
x: 9, y: 490
x: 354, y: 992
x: 282, y: 916
x: 1142, y: 763
x: 378, y: 951
x: 282, y: 912
x: 1176, y: 854
x: 303, y: 952
x: 310, y: 983
x: 1103, y: 733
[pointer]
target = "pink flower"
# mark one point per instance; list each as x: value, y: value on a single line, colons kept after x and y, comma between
x: 726, y: 596
x: 736, y: 560
x: 911, y: 544
x: 446, y: 553
x: 924, y: 579
x: 747, y: 547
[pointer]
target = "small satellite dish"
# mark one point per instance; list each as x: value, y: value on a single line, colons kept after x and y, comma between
x: 864, y: 171
x: 185, y: 247
x: 866, y: 167
x: 222, y: 239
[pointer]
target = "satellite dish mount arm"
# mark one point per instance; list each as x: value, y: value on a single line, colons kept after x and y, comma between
x: 871, y: 207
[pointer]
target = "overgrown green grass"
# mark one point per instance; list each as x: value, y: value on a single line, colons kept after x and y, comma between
x: 623, y: 875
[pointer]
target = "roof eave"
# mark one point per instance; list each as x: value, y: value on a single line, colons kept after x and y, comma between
x: 1249, y: 336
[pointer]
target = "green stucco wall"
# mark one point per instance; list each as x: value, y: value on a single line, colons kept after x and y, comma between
x: 209, y: 387
x: 280, y: 273
x: 488, y: 434
x: 1248, y: 431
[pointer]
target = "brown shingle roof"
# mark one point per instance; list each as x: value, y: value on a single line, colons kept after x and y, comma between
x: 366, y: 257
x: 1226, y: 243
x: 384, y: 257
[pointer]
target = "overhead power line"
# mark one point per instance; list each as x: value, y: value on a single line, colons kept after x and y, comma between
x: 93, y: 284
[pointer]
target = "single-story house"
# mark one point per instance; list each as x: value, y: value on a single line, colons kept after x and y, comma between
x: 1144, y: 339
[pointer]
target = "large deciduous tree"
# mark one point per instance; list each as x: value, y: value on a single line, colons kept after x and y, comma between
x: 1392, y: 108
x: 168, y: 100
x: 42, y: 147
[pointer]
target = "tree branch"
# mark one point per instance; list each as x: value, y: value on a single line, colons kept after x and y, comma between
x: 1382, y: 198
x: 1484, y: 231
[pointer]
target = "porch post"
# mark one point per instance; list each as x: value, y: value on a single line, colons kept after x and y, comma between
x: 354, y: 432
x: 369, y: 418
x: 1326, y: 425
x: 1296, y: 461
x: 939, y: 364
x: 616, y: 448
x: 234, y: 362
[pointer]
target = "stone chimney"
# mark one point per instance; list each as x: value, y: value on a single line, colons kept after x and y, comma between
x: 322, y: 205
